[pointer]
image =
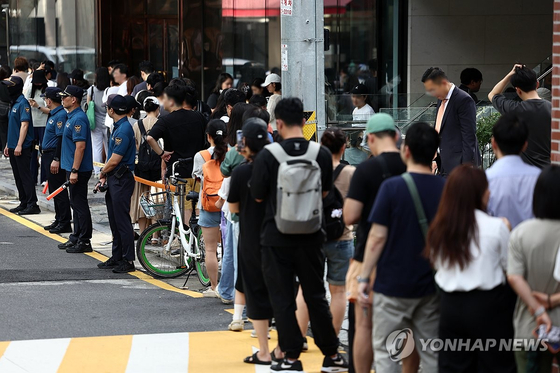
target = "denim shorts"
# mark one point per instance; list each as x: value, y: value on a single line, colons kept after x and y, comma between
x: 209, y: 219
x: 338, y: 255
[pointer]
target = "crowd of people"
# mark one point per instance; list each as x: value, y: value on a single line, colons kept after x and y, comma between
x: 414, y: 237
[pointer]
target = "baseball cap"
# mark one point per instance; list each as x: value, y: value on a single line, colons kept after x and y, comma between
x: 131, y: 102
x: 72, y: 90
x: 255, y: 128
x: 271, y: 78
x: 52, y: 92
x: 15, y: 86
x: 360, y: 89
x: 119, y: 104
x: 380, y: 122
x: 216, y: 127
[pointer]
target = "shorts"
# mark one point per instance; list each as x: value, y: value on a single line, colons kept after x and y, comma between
x: 189, y: 188
x: 338, y: 255
x: 354, y: 271
x: 209, y: 219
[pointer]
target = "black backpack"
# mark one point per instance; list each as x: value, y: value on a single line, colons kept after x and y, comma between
x: 149, y: 163
x: 332, y: 209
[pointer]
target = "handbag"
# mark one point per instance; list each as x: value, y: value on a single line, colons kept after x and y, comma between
x: 90, y: 112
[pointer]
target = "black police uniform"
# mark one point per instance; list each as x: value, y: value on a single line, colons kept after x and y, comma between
x: 77, y: 130
x: 51, y: 149
x: 120, y: 183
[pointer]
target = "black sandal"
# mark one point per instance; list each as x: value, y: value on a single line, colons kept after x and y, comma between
x: 254, y: 359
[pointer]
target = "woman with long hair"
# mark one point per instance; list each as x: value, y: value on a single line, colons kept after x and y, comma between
x: 131, y: 83
x: 62, y: 80
x: 220, y: 110
x: 210, y: 216
x: 224, y: 81
x: 258, y: 89
x: 468, y: 248
x: 5, y: 99
x: 99, y: 135
x: 533, y: 271
x: 40, y: 114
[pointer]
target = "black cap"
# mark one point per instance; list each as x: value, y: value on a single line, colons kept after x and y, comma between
x: 39, y: 77
x: 360, y: 89
x: 255, y: 128
x: 216, y: 127
x: 52, y: 92
x: 73, y: 90
x: 15, y: 86
x: 131, y: 103
x: 119, y: 105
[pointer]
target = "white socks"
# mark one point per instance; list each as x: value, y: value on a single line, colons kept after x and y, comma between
x: 238, y: 312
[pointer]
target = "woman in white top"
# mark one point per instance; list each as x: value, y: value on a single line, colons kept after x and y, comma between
x: 362, y: 111
x: 469, y: 250
x: 100, y: 134
x: 210, y: 216
x: 40, y: 114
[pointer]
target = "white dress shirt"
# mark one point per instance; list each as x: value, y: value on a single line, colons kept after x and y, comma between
x: 488, y: 263
x: 123, y: 91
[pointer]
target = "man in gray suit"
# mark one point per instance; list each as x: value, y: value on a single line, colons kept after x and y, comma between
x: 455, y: 122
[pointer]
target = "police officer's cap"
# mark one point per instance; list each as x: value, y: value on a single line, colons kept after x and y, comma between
x: 74, y: 91
x: 119, y: 105
x: 52, y: 93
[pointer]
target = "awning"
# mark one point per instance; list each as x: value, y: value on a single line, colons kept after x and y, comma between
x: 271, y: 8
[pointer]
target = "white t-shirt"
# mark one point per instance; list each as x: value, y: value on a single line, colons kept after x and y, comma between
x: 489, y: 259
x: 123, y: 91
x: 108, y: 92
x: 363, y: 113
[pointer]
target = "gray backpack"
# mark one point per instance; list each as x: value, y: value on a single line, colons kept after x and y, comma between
x: 299, y: 199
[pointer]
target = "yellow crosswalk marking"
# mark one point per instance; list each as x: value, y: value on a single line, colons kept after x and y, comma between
x: 3, y: 347
x: 97, y: 354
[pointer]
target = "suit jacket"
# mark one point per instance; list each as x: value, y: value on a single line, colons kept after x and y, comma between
x: 458, y: 132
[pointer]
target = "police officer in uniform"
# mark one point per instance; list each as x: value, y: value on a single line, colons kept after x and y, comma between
x: 20, y: 147
x: 77, y: 160
x: 52, y: 148
x: 117, y: 174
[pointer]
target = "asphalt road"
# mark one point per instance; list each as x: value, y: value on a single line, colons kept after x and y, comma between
x: 47, y: 293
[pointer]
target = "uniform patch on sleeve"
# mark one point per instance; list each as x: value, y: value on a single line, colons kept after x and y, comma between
x: 27, y: 109
x: 118, y: 141
x: 78, y: 128
x: 59, y: 124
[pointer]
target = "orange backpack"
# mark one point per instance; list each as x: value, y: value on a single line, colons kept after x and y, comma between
x: 212, y: 182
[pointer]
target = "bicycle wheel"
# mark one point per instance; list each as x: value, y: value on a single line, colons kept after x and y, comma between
x: 201, y: 270
x: 154, y: 255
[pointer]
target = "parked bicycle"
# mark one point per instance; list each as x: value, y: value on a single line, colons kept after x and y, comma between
x: 170, y: 248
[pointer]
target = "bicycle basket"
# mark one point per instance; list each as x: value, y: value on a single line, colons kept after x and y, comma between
x: 154, y: 208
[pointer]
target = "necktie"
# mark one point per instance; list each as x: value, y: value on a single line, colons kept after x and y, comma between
x: 440, y: 112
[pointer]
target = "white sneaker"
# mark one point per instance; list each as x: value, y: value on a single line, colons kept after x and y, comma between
x: 236, y: 326
x: 209, y: 293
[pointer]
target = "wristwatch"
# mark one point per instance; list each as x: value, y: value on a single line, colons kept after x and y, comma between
x: 74, y: 171
x: 102, y: 173
x: 539, y: 311
x: 56, y: 159
x: 362, y: 280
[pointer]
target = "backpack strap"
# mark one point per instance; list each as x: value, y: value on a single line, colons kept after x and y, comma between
x: 338, y: 170
x: 421, y: 215
x: 141, y: 128
x: 386, y: 173
x: 206, y: 155
x: 278, y: 152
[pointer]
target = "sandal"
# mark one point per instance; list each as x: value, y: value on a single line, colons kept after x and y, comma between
x: 254, y: 359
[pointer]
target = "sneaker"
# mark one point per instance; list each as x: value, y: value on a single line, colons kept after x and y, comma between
x: 236, y: 326
x: 209, y: 293
x: 254, y: 333
x: 61, y: 229
x: 305, y: 346
x: 287, y: 367
x: 17, y: 209
x: 31, y: 210
x: 109, y: 264
x: 51, y: 226
x: 224, y: 300
x: 80, y: 247
x: 124, y: 267
x: 336, y: 365
x: 66, y: 245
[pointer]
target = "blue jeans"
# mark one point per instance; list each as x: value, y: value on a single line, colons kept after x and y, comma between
x: 226, y: 287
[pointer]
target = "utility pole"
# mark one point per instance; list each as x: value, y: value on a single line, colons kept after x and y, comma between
x: 303, y: 57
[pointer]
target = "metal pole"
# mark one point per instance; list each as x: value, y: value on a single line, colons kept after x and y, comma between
x: 396, y: 77
x: 6, y: 10
x: 303, y: 56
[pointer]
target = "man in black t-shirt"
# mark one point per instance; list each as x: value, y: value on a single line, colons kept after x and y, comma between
x: 285, y: 256
x: 532, y: 110
x: 382, y: 136
x: 183, y: 133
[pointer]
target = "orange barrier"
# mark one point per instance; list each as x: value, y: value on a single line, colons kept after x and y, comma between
x: 153, y: 183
